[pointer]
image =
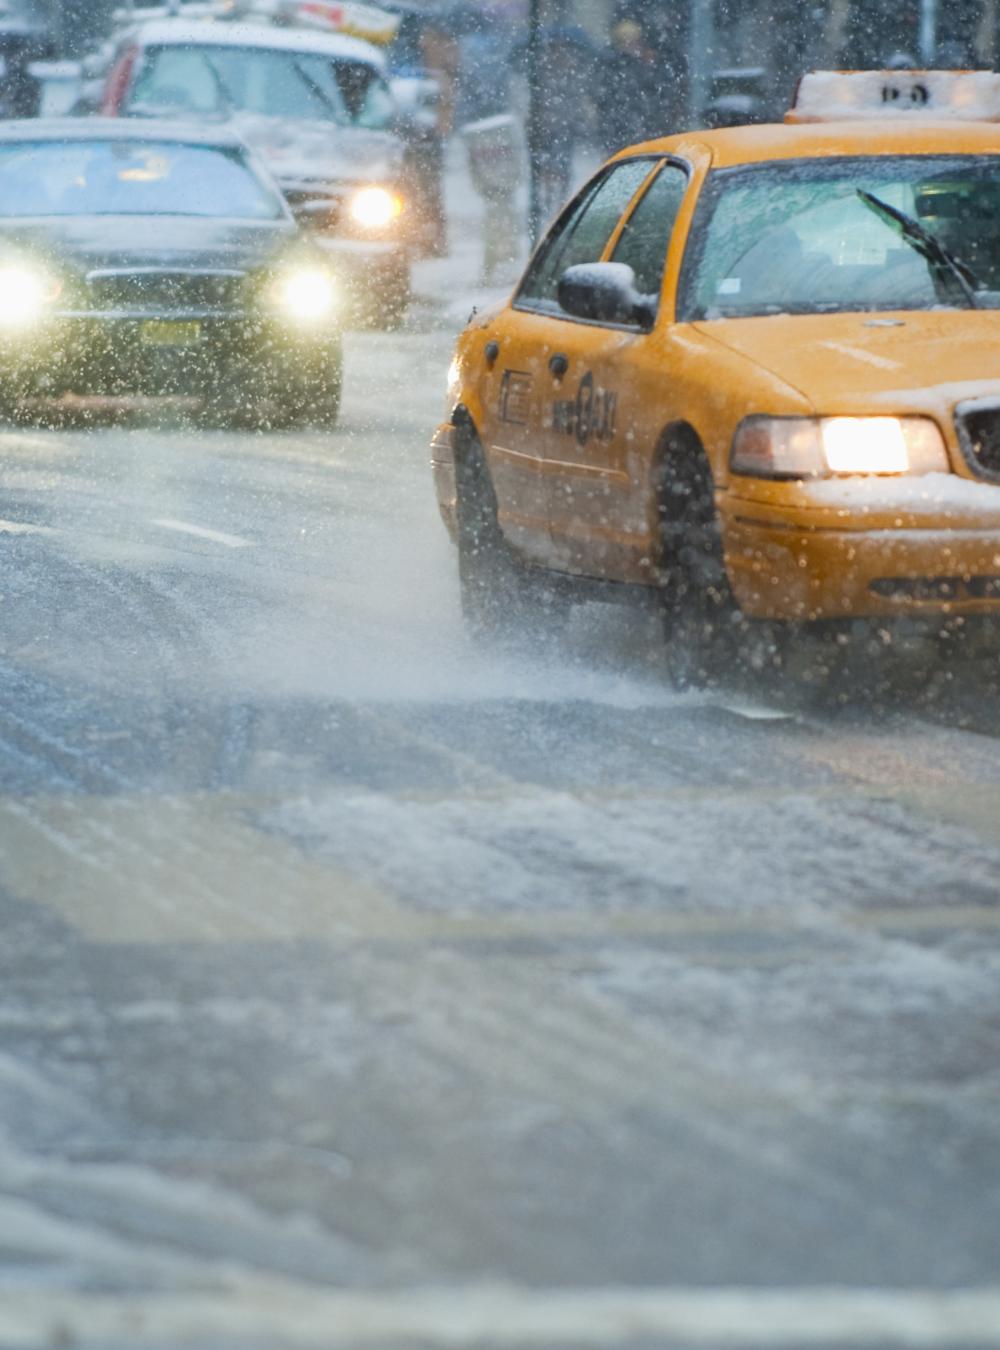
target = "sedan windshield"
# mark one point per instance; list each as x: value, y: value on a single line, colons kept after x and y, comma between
x: 801, y: 237
x: 215, y: 80
x: 125, y: 178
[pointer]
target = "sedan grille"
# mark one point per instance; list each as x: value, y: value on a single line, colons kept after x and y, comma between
x: 164, y: 289
x: 330, y: 204
x: 979, y: 433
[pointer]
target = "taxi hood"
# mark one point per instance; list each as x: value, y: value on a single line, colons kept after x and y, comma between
x: 851, y: 363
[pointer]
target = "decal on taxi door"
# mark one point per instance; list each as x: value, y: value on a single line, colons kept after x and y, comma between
x: 591, y: 414
x: 515, y: 391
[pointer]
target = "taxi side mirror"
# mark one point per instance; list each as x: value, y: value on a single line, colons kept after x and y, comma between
x: 605, y: 292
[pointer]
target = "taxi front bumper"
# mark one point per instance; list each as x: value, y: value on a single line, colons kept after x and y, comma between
x: 884, y: 553
x: 443, y: 469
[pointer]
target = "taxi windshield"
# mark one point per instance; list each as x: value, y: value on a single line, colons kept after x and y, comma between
x: 800, y: 237
x: 124, y: 178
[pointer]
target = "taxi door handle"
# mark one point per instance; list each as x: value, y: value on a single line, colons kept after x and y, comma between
x: 559, y: 364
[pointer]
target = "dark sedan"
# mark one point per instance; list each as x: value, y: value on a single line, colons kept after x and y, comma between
x: 154, y: 259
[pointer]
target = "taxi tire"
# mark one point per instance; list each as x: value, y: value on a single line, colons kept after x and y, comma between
x: 701, y: 622
x: 502, y: 598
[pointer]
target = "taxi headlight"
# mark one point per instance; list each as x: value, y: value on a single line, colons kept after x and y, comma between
x: 819, y: 447
x: 375, y: 207
x: 306, y: 293
x: 24, y: 293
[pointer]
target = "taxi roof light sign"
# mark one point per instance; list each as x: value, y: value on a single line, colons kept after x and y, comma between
x: 860, y: 95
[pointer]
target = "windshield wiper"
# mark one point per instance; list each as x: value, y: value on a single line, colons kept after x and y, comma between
x: 926, y: 244
x: 221, y: 88
x: 317, y: 89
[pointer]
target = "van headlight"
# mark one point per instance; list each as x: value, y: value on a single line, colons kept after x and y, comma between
x: 25, y: 292
x: 822, y: 447
x: 375, y: 207
x: 308, y: 294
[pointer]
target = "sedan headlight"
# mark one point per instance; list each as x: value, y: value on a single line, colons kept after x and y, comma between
x: 307, y: 294
x: 375, y: 207
x: 820, y: 447
x: 25, y: 291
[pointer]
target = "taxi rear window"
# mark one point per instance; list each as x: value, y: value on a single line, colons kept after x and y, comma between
x: 799, y: 236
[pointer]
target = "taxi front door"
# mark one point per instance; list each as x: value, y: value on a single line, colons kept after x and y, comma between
x: 525, y: 388
x: 605, y: 394
x: 591, y: 398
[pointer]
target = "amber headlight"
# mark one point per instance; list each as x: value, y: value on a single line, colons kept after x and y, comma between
x: 375, y: 207
x: 308, y: 294
x: 820, y: 447
x: 25, y: 292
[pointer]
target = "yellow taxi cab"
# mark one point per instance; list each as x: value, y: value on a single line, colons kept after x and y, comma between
x: 754, y: 370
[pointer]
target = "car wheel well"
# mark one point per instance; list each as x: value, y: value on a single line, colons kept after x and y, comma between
x: 681, y: 447
x: 468, y: 434
x: 682, y: 477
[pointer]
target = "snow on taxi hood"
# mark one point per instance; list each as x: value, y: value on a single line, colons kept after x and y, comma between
x: 852, y: 363
x: 296, y: 150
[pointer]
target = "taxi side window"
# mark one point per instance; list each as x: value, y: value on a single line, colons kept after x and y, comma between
x: 581, y: 235
x: 646, y: 236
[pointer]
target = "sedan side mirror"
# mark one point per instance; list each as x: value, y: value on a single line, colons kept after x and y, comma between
x: 606, y: 293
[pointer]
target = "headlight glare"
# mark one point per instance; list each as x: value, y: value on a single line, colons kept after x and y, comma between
x: 24, y: 293
x: 804, y: 447
x: 864, y: 445
x: 306, y: 293
x: 375, y: 207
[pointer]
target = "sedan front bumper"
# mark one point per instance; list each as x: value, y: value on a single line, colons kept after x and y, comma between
x: 155, y: 352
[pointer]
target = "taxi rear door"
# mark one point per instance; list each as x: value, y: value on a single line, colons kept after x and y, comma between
x: 510, y: 389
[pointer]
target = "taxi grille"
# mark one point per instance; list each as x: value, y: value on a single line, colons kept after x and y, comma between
x: 164, y: 290
x: 979, y: 433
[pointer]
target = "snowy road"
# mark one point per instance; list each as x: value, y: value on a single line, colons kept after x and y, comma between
x: 338, y: 958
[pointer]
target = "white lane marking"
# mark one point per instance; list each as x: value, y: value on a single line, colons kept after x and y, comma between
x: 200, y: 532
x: 507, y: 1316
x: 23, y: 527
x: 754, y: 712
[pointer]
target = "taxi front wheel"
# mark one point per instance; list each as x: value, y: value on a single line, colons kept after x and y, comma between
x: 701, y: 621
x: 502, y: 598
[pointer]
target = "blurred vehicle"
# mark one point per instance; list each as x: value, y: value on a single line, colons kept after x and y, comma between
x: 736, y: 98
x: 754, y: 371
x: 158, y: 259
x: 318, y: 110
x: 26, y: 37
x: 495, y: 154
x: 423, y: 66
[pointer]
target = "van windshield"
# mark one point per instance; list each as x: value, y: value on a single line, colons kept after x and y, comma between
x: 215, y: 80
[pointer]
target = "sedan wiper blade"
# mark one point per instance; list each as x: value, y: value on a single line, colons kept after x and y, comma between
x: 926, y: 244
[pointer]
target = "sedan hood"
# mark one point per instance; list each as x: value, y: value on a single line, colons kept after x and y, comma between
x: 301, y: 151
x: 82, y: 243
x: 856, y: 362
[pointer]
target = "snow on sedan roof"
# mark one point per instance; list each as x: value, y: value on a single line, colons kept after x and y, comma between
x: 219, y: 33
x: 119, y: 129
